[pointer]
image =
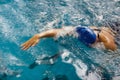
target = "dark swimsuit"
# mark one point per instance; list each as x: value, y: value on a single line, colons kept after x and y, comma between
x: 99, y: 30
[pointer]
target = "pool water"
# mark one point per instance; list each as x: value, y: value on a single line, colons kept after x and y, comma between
x: 62, y: 59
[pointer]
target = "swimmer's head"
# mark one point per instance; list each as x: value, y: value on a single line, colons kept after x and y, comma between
x: 86, y: 35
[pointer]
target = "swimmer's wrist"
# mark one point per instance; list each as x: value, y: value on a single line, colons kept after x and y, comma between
x: 38, y: 36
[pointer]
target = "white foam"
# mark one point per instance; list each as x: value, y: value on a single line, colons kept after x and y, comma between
x: 116, y: 0
x: 6, y: 28
x: 10, y: 59
x: 67, y: 30
x: 18, y: 75
x: 48, y: 26
x: 64, y: 55
x: 93, y: 76
x: 116, y: 78
x: 99, y: 17
x: 8, y: 31
x: 80, y: 67
x: 14, y: 60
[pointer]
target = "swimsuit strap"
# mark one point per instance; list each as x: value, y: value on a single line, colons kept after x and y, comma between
x: 99, y: 30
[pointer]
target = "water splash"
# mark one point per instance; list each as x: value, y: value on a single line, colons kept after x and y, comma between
x: 21, y: 19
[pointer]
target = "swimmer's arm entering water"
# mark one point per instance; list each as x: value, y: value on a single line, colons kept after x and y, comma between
x: 35, y: 39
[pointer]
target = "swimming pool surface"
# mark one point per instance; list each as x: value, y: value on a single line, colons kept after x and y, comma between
x: 21, y: 19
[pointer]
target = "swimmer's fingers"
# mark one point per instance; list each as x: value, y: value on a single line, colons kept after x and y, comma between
x: 27, y: 45
x: 32, y: 42
x: 35, y: 42
x: 22, y: 45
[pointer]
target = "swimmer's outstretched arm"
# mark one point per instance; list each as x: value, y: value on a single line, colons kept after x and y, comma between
x: 35, y: 39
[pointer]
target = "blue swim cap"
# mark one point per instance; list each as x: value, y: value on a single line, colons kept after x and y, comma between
x: 86, y: 34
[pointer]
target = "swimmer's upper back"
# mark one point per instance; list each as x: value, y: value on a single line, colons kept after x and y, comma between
x: 108, y: 40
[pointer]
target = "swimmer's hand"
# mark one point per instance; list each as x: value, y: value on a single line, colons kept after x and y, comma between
x: 31, y: 42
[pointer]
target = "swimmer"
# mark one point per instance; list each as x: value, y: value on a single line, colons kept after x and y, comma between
x: 88, y: 35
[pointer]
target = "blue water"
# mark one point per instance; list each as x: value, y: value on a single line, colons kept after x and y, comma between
x: 21, y: 19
